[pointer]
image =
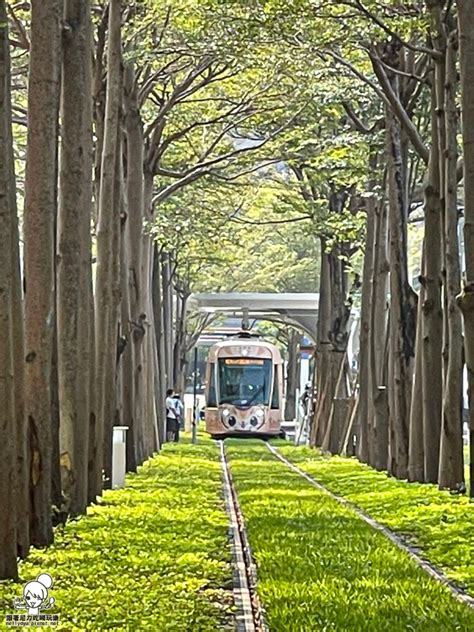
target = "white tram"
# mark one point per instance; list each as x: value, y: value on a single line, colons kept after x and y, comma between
x: 244, y: 388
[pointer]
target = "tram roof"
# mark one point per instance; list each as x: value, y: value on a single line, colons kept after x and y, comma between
x: 245, y: 343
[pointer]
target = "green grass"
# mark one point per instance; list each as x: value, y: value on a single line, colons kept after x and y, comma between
x: 441, y: 524
x: 321, y: 568
x: 154, y: 556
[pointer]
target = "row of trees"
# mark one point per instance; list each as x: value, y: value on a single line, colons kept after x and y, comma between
x: 393, y: 79
x: 224, y: 147
x: 129, y: 109
x: 409, y: 405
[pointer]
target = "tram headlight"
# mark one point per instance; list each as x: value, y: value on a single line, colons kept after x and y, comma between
x: 253, y: 420
x: 260, y: 413
x: 225, y: 413
x: 232, y: 420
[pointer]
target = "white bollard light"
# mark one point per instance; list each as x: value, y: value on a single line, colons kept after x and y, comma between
x: 119, y: 456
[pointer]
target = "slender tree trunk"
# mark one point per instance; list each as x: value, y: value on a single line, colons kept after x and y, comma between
x: 22, y: 483
x: 322, y: 349
x: 432, y: 313
x: 179, y: 352
x: 416, y: 460
x: 466, y: 299
x: 126, y: 366
x: 22, y: 496
x: 378, y: 327
x: 402, y: 309
x: 113, y: 375
x: 292, y: 376
x: 39, y: 222
x: 9, y: 430
x: 160, y: 343
x: 157, y: 423
x: 180, y: 359
x: 99, y: 98
x: 167, y: 316
x: 183, y: 353
x: 57, y: 497
x: 74, y: 256
x: 149, y: 357
x: 107, y: 233
x: 365, y: 334
x: 134, y: 233
x: 93, y: 398
x: 451, y: 464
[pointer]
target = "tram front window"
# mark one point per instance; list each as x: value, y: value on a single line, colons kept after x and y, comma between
x: 244, y: 381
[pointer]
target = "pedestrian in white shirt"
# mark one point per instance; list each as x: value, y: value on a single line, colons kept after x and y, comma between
x: 179, y: 408
x: 171, y: 417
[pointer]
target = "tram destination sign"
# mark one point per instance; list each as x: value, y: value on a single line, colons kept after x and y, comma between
x: 243, y: 361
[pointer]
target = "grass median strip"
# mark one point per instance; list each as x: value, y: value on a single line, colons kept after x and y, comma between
x: 322, y: 568
x: 153, y: 556
x: 439, y: 523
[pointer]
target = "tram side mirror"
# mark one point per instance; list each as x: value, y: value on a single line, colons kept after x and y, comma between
x: 201, y: 414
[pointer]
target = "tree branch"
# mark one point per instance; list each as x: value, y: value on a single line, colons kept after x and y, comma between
x: 398, y: 109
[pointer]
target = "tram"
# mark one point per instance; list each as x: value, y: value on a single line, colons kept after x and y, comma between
x: 244, y: 388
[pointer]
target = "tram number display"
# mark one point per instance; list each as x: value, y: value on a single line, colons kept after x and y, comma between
x: 243, y: 362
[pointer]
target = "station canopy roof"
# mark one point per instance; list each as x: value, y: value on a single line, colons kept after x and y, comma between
x: 297, y: 309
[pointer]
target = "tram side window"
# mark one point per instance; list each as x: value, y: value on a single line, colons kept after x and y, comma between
x: 211, y: 397
x: 276, y: 389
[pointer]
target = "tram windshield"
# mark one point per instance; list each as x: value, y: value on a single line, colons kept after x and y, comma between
x: 244, y: 381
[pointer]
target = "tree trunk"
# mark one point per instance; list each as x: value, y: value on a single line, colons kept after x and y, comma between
x: 332, y: 436
x: 57, y: 497
x: 160, y: 342
x: 156, y: 416
x: 416, y: 458
x: 74, y: 256
x: 322, y: 350
x: 179, y: 353
x: 134, y: 233
x: 93, y: 398
x: 9, y: 472
x: 18, y: 339
x: 365, y: 334
x: 378, y: 447
x: 466, y: 300
x: 107, y: 255
x: 402, y: 309
x: 432, y: 313
x: 39, y: 222
x: 126, y: 364
x: 292, y: 376
x: 451, y: 464
x: 167, y: 317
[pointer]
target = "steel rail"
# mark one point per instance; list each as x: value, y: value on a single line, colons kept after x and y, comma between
x: 459, y: 593
x: 250, y: 615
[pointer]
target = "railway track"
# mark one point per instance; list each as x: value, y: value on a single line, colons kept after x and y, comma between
x: 250, y: 615
x: 459, y: 593
x: 250, y: 612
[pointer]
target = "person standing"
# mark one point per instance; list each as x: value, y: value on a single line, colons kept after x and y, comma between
x: 179, y: 410
x: 171, y: 417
